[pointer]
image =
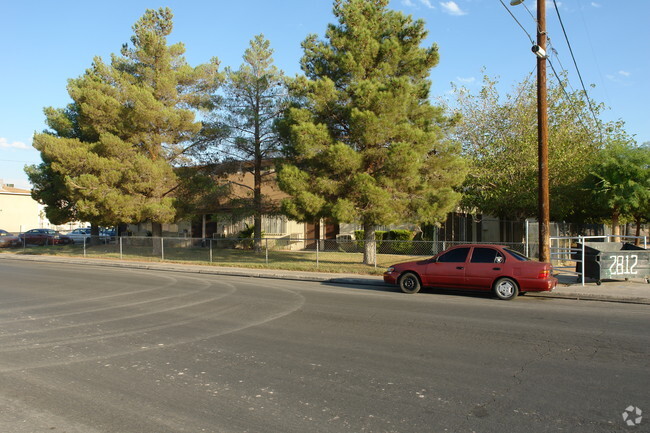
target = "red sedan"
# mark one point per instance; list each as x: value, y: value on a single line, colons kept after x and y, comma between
x: 475, y: 267
x: 44, y: 237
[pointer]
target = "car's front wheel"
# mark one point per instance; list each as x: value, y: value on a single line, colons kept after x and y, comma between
x: 409, y: 283
x: 506, y: 289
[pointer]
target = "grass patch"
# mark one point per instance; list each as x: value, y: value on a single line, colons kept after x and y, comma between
x: 308, y: 261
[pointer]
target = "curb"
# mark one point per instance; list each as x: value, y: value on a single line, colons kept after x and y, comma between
x: 591, y: 297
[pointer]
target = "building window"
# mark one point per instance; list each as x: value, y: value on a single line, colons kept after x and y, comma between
x: 274, y: 225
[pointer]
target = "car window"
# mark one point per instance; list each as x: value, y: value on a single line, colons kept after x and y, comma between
x: 486, y: 255
x: 517, y: 255
x: 459, y: 255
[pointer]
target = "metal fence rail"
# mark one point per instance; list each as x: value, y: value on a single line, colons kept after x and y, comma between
x: 326, y: 254
x: 564, y: 250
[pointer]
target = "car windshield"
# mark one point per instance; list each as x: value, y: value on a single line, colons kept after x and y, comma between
x: 516, y: 255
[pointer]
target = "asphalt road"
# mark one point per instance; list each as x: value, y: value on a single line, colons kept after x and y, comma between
x: 95, y: 349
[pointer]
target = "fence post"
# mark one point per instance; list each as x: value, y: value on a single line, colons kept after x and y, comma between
x: 121, y: 247
x: 526, y: 245
x: 317, y: 263
x: 582, y: 242
x: 162, y: 248
x: 376, y: 252
x: 84, y: 247
x: 266, y: 241
x: 210, y: 251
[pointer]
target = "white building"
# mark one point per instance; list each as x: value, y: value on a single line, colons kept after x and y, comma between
x: 19, y: 212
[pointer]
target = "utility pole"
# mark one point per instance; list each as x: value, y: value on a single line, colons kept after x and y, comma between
x: 543, y: 212
x: 542, y: 138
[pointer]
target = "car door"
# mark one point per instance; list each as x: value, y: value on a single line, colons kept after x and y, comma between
x: 42, y: 237
x: 484, y: 266
x: 33, y: 237
x: 448, y: 270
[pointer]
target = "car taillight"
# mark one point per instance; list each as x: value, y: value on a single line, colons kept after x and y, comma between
x: 544, y: 274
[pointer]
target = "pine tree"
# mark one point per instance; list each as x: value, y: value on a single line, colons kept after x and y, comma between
x: 243, y: 136
x: 131, y: 121
x: 365, y: 144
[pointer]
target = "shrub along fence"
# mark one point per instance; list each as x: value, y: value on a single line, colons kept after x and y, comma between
x: 284, y: 253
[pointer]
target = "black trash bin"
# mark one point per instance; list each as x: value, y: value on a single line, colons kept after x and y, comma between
x: 613, y: 260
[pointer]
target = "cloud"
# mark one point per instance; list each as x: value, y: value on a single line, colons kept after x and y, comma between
x: 467, y: 80
x: 412, y: 4
x: 596, y: 5
x: 620, y: 77
x: 4, y: 144
x: 452, y: 8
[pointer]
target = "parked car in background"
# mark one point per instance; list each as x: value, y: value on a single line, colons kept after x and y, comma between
x: 9, y: 240
x: 81, y: 235
x: 111, y: 233
x: 78, y: 235
x: 475, y: 267
x: 44, y: 237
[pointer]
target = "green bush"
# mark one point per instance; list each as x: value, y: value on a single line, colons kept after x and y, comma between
x: 380, y: 235
x: 247, y: 236
x: 400, y: 242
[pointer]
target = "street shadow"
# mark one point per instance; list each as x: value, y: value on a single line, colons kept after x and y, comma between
x: 369, y: 285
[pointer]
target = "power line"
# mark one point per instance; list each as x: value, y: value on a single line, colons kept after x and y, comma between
x: 593, y: 54
x: 553, y: 51
x: 578, y: 116
x: 524, y: 85
x: 515, y: 18
x: 533, y: 17
x: 14, y: 160
x: 557, y: 11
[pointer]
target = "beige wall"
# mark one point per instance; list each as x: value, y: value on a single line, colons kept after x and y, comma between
x: 19, y: 212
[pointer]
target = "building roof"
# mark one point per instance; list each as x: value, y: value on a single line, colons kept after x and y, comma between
x: 10, y: 189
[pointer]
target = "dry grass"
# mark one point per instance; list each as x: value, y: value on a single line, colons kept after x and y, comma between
x: 310, y: 261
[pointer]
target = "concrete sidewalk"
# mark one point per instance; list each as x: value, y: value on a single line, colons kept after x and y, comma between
x: 635, y: 291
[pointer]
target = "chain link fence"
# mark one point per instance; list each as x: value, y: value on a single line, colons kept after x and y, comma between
x: 286, y: 253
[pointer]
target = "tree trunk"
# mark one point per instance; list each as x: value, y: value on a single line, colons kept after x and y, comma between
x: 257, y: 187
x: 156, y: 233
x: 94, y: 235
x: 369, y: 244
x: 257, y: 204
x: 616, y: 230
x: 637, y: 232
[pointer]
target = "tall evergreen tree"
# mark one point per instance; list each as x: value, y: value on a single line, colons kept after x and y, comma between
x: 49, y: 186
x: 243, y: 136
x: 134, y: 119
x: 365, y: 143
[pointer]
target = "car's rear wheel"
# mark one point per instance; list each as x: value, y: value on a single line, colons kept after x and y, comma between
x: 409, y: 283
x: 506, y: 289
